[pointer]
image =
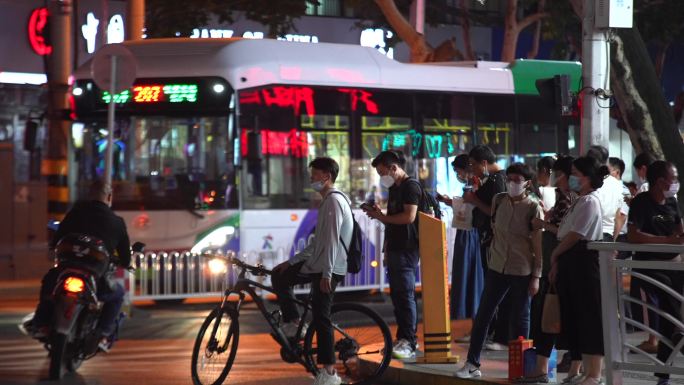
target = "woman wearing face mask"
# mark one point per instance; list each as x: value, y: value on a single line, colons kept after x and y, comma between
x: 575, y: 270
x: 654, y: 217
x: 467, y: 277
x: 544, y: 343
x: 515, y: 264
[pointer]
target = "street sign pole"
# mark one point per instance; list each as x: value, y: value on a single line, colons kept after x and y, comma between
x: 113, y: 69
x: 109, y: 155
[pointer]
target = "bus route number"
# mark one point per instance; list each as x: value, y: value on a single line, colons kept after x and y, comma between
x: 147, y: 94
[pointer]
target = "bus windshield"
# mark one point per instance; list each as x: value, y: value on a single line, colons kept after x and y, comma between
x: 160, y: 163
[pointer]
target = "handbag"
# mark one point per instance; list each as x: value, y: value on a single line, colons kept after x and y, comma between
x: 551, y: 320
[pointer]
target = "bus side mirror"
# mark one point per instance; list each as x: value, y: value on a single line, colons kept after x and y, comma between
x: 253, y: 146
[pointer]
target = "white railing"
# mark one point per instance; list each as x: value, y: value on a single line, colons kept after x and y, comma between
x: 615, y: 319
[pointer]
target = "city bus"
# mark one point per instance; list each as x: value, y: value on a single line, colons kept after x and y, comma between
x: 212, y: 141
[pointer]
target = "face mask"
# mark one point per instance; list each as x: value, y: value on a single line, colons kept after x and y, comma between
x: 552, y: 180
x: 575, y: 184
x: 462, y: 180
x: 515, y: 189
x: 485, y: 173
x: 317, y: 186
x: 672, y: 192
x: 386, y: 181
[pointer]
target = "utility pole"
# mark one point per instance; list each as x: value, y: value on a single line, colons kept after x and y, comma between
x: 55, y: 166
x: 135, y: 19
x: 595, y: 126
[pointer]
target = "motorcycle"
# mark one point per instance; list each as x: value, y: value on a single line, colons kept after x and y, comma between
x: 74, y: 335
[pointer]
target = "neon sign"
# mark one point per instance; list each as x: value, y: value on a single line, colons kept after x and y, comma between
x: 280, y: 143
x: 115, y: 30
x: 295, y: 97
x: 155, y: 93
x: 37, y: 29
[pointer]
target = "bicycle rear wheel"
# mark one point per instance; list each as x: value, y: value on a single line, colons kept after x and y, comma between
x: 362, y: 343
x: 215, y: 347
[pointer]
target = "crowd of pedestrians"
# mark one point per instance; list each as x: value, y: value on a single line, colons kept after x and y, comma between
x: 520, y: 236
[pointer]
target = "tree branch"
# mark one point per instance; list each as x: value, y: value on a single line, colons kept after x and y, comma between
x: 531, y: 19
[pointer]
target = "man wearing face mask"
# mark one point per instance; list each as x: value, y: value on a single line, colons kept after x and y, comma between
x: 401, y: 245
x: 654, y: 217
x: 323, y: 264
x: 515, y: 264
x: 640, y: 164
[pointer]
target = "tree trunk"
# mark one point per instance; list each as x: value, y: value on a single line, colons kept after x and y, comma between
x: 419, y: 48
x: 469, y: 54
x: 511, y: 32
x: 639, y: 95
x: 660, y: 58
x: 537, y: 33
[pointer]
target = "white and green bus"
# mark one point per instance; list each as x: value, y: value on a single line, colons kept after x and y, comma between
x: 213, y: 139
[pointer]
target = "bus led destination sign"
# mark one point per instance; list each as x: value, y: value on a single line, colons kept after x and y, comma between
x: 155, y: 93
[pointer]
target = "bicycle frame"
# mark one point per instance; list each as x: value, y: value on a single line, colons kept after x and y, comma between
x: 245, y: 286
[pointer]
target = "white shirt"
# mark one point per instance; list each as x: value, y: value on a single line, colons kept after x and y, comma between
x: 610, y: 196
x: 584, y: 218
x: 548, y: 196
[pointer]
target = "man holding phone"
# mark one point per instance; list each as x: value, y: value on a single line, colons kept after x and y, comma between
x: 401, y: 244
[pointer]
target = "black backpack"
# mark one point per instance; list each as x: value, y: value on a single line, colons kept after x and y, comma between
x: 428, y: 202
x: 354, y: 251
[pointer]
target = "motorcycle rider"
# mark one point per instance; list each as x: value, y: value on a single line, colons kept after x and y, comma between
x: 93, y: 217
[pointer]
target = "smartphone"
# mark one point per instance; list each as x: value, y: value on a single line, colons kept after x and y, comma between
x: 366, y: 206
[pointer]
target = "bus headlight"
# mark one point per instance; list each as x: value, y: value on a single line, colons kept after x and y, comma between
x: 214, y: 240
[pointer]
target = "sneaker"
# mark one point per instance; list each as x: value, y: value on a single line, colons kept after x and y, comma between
x: 104, y: 345
x: 573, y: 379
x: 463, y: 340
x: 591, y: 381
x: 290, y: 329
x: 402, y: 350
x: 323, y: 378
x: 495, y: 346
x: 468, y: 371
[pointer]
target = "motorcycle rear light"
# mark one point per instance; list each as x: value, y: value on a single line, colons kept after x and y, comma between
x: 74, y: 285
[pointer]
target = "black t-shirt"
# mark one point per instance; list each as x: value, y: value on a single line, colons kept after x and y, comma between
x: 96, y: 219
x: 402, y: 237
x: 495, y: 184
x: 650, y: 217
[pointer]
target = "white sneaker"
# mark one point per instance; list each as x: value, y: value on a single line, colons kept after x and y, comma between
x: 403, y: 350
x: 290, y: 329
x: 468, y: 371
x: 573, y: 379
x: 495, y: 346
x: 323, y: 378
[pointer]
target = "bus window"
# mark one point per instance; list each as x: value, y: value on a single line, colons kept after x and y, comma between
x: 495, y: 117
x: 162, y: 163
x: 293, y: 125
x: 447, y: 124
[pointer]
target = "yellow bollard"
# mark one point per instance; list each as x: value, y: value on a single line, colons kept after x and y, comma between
x: 434, y: 275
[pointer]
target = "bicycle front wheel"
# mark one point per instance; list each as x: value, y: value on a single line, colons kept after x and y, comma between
x: 215, y: 347
x: 362, y: 343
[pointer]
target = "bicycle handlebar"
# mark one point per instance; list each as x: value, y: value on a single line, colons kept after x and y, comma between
x: 256, y: 270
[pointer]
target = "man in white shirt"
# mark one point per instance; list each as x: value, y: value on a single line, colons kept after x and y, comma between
x: 610, y: 196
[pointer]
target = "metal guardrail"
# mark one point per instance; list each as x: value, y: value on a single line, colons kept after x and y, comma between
x: 616, y: 319
x: 176, y: 275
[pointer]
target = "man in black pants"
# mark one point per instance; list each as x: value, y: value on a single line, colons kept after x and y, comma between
x: 654, y: 217
x: 323, y: 263
x: 492, y: 181
x: 93, y: 217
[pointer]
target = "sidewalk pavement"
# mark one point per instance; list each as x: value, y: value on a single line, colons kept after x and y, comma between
x: 494, y: 366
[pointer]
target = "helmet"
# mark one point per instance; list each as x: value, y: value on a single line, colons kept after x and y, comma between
x: 83, y: 251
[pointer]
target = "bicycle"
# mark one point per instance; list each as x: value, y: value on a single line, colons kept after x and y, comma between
x: 360, y: 335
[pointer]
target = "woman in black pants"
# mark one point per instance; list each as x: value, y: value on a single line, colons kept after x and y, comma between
x: 575, y: 269
x: 543, y: 342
